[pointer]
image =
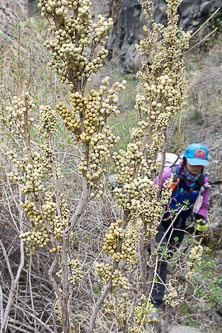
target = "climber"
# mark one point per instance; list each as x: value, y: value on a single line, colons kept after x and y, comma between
x: 190, y: 190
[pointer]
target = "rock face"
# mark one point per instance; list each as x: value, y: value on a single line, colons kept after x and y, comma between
x: 191, y: 12
x: 128, y: 30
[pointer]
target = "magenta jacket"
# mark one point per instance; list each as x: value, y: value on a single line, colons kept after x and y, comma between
x: 203, y: 209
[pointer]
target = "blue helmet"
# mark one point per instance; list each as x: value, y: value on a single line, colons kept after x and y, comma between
x: 196, y: 154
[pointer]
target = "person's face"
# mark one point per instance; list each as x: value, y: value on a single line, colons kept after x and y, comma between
x: 194, y: 169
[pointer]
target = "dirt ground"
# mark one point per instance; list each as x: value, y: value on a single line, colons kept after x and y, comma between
x: 184, y: 329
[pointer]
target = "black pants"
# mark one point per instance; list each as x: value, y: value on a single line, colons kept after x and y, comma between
x: 169, y: 239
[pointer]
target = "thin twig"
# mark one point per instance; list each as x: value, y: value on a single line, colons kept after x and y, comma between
x: 37, y: 319
x: 30, y: 284
x: 14, y: 281
x: 1, y: 308
x: 7, y: 260
x: 201, y: 27
x: 154, y: 273
x: 97, y: 307
x: 211, y: 33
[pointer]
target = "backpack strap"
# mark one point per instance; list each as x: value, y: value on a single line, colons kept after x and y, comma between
x: 174, y: 169
x: 175, y: 172
x: 177, y: 177
x: 175, y: 163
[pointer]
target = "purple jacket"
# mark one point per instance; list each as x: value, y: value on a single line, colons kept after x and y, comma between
x: 203, y: 209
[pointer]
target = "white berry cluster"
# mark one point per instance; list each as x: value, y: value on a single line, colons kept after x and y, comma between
x: 142, y: 313
x: 124, y: 307
x: 38, y: 234
x: 172, y: 298
x: 129, y: 245
x: 151, y: 214
x: 121, y: 242
x: 89, y: 114
x: 106, y: 273
x: 47, y: 119
x: 115, y: 234
x: 166, y: 192
x: 69, y: 119
x: 101, y: 148
x: 46, y: 221
x: 49, y: 210
x: 194, y: 259
x: 16, y: 117
x: 119, y: 306
x: 14, y: 176
x: 31, y: 180
x: 64, y: 210
x: 33, y: 175
x: 140, y: 198
x: 76, y: 38
x: 75, y: 271
x: 109, y: 305
x: 126, y: 162
x: 58, y: 309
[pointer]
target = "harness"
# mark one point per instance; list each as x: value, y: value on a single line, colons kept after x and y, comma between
x: 183, y: 194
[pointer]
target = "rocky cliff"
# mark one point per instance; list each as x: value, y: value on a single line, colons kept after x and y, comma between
x: 191, y: 12
x: 130, y: 20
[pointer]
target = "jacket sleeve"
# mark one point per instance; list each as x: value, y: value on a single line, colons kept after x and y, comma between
x: 203, y: 209
x: 166, y: 174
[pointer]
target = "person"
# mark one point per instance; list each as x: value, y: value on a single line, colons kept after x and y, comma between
x: 190, y: 191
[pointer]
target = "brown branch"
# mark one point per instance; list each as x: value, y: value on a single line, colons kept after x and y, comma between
x: 150, y: 288
x: 27, y: 133
x: 34, y: 317
x: 81, y: 205
x: 1, y: 308
x: 97, y: 307
x: 163, y: 158
x: 143, y: 260
x: 51, y: 276
x: 14, y: 281
x: 7, y: 260
x: 153, y: 260
x: 109, y: 285
x: 66, y: 294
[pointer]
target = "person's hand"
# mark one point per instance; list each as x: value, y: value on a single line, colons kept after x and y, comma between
x: 202, y: 224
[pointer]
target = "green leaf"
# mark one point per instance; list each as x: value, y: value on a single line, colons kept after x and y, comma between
x: 137, y: 312
x: 210, y: 285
